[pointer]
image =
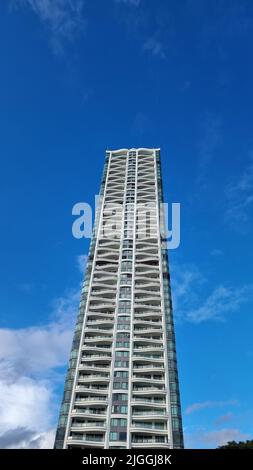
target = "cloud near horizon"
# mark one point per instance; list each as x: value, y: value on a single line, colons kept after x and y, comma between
x: 209, y: 404
x: 31, y: 362
x: 215, y: 438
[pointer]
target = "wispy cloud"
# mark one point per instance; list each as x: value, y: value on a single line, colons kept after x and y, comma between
x: 239, y: 195
x: 155, y: 47
x: 81, y: 262
x: 209, y: 404
x: 222, y: 436
x: 224, y: 419
x: 216, y: 252
x: 192, y: 301
x: 64, y: 19
x: 186, y: 283
x: 221, y: 302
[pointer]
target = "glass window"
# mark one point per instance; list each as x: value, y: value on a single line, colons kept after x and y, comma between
x: 118, y: 436
x: 121, y: 373
x: 122, y: 353
x: 123, y: 326
x: 123, y: 335
x: 119, y: 397
x: 122, y: 344
x: 121, y: 364
x: 118, y: 422
x: 120, y: 385
x: 119, y: 409
x: 175, y: 424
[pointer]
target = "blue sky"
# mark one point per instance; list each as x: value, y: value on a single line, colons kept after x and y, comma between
x: 78, y: 77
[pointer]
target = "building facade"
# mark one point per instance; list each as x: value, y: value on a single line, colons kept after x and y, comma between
x: 122, y: 389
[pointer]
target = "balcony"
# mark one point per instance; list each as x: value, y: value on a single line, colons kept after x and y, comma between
x: 92, y: 399
x: 143, y: 379
x: 145, y: 356
x: 89, y: 411
x: 96, y: 357
x: 98, y: 330
x: 148, y: 366
x: 147, y: 348
x: 149, y: 427
x: 151, y: 329
x: 161, y: 414
x: 149, y: 389
x: 150, y: 440
x: 87, y: 439
x: 105, y: 347
x: 147, y: 314
x: 91, y: 388
x: 98, y: 367
x: 147, y: 341
x: 147, y: 360
x: 94, y: 425
x: 99, y: 377
x: 95, y: 339
x: 105, y: 321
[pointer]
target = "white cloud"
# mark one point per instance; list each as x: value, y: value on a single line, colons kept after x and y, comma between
x: 24, y: 403
x: 29, y: 359
x: 23, y: 438
x: 63, y: 18
x: 37, y: 349
x: 209, y: 404
x: 221, y: 302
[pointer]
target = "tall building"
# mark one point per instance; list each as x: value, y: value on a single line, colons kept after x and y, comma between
x: 122, y: 388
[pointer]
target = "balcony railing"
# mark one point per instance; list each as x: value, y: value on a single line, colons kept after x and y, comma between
x: 149, y: 413
x: 147, y: 400
x: 151, y: 346
x: 148, y: 426
x: 96, y: 377
x: 91, y: 387
x: 89, y: 411
x: 83, y: 400
x: 88, y: 425
x: 101, y: 366
x: 150, y: 441
x: 147, y: 389
x: 147, y: 366
x: 81, y: 437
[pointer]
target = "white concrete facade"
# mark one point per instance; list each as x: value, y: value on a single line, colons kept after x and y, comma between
x: 122, y: 388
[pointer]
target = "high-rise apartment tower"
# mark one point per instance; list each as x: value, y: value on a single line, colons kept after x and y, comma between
x: 122, y: 387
